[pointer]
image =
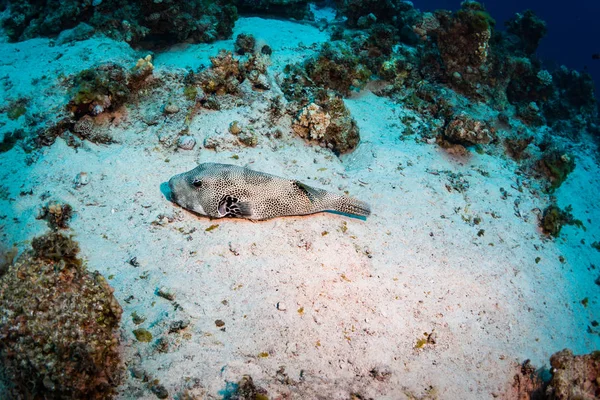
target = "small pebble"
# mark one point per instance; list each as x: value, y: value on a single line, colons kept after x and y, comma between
x: 219, y: 323
x: 186, y: 142
x: 281, y: 306
x: 177, y: 326
x: 171, y: 108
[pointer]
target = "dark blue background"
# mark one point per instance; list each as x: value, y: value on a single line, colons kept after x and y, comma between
x: 573, y: 29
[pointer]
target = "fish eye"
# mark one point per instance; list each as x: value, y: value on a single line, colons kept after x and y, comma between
x: 197, y: 183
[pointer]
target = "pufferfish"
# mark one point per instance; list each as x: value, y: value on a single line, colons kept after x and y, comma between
x: 224, y: 190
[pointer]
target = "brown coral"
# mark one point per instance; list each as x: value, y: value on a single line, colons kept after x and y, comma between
x: 223, y: 77
x: 329, y: 122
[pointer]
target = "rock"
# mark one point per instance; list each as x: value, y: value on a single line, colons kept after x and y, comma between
x: 82, y: 31
x: 186, y: 142
x: 266, y: 50
x: 171, y: 108
x: 177, y: 326
x: 281, y: 306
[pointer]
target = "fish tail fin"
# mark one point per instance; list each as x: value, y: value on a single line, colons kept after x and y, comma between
x: 349, y: 205
x: 324, y: 200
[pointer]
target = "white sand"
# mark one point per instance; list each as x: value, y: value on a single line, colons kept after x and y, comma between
x: 346, y: 313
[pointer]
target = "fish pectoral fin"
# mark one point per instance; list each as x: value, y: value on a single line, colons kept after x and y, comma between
x: 311, y: 192
x: 244, y: 209
x: 230, y: 206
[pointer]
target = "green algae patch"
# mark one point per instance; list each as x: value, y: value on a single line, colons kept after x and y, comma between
x: 554, y: 218
x: 10, y: 139
x: 142, y: 335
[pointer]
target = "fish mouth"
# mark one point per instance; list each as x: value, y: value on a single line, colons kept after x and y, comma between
x: 172, y: 195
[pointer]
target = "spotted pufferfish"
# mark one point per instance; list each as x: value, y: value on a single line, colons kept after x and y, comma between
x: 224, y: 190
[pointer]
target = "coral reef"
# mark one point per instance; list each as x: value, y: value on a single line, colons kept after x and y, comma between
x: 555, y: 166
x: 463, y: 41
x: 529, y: 29
x: 337, y: 68
x: 574, y: 377
x: 312, y: 122
x: 132, y: 21
x: 515, y: 147
x: 224, y: 77
x: 389, y: 11
x: 57, y: 325
x: 466, y: 130
x: 98, y: 89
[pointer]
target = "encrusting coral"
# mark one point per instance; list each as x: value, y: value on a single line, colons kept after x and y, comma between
x: 58, y: 325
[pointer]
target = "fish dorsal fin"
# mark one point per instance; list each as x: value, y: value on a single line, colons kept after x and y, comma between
x: 310, y: 192
x: 230, y: 206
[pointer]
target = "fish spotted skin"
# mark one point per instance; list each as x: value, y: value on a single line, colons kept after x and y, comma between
x: 224, y: 190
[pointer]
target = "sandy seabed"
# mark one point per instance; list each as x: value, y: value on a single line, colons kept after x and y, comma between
x: 321, y: 306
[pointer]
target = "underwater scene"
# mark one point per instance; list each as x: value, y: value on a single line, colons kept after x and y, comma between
x: 294, y: 199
